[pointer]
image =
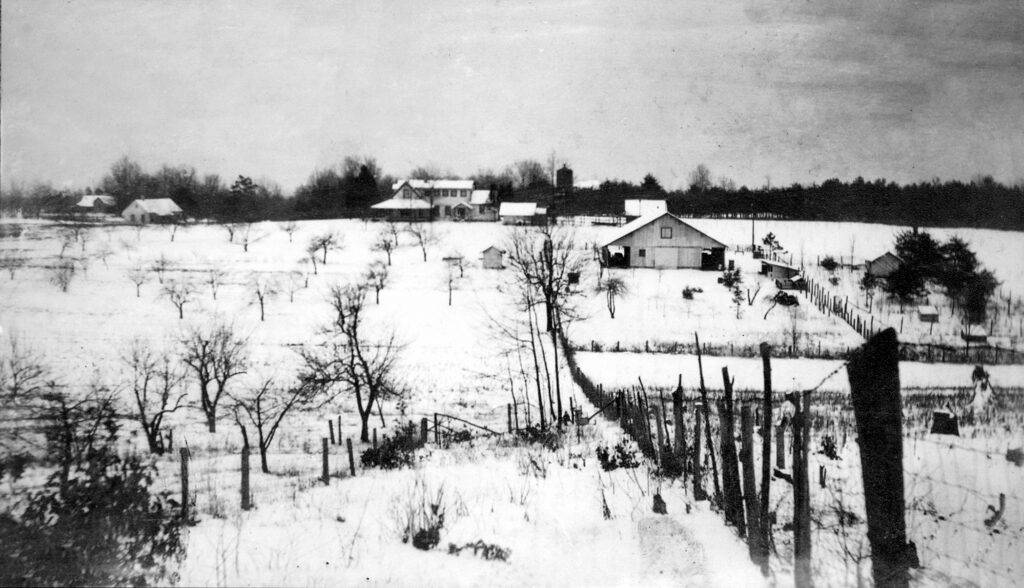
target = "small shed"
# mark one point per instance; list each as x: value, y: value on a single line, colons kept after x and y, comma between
x: 975, y: 335
x: 928, y: 314
x: 493, y: 258
x: 152, y: 210
x: 883, y: 265
x: 778, y: 270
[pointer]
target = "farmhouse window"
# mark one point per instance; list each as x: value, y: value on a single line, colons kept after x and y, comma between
x: 643, y: 253
x: 666, y: 232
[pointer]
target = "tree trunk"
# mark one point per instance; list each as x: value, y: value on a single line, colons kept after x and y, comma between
x: 364, y: 427
x: 263, y: 458
x: 211, y: 420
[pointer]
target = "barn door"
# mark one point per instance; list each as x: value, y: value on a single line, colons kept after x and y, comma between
x: 666, y: 257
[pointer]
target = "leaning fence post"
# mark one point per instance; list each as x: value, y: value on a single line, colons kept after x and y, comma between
x: 351, y: 457
x: 325, y: 473
x: 246, y: 495
x: 873, y: 371
x: 754, y: 520
x: 184, y: 453
x: 730, y: 461
x: 801, y: 496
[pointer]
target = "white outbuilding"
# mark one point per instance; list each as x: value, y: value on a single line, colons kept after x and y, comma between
x: 152, y: 210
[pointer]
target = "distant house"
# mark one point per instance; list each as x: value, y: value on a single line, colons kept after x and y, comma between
x: 522, y: 213
x: 153, y: 210
x: 662, y: 241
x: 97, y: 203
x: 883, y: 265
x: 492, y: 258
x: 438, y: 199
x: 633, y: 209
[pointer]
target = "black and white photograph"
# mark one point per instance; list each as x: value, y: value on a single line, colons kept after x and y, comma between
x: 512, y: 293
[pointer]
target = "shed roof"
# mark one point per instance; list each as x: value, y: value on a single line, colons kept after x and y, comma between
x: 641, y: 222
x: 780, y: 264
x: 493, y: 248
x: 90, y: 200
x: 480, y: 197
x: 644, y: 207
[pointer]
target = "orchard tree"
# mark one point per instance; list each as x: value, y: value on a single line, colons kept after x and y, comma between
x: 265, y: 407
x: 346, y: 361
x: 248, y: 236
x: 376, y: 277
x: 138, y: 275
x: 215, y: 278
x: 325, y: 242
x: 156, y: 384
x: 425, y: 236
x: 296, y: 281
x: 264, y: 287
x: 613, y: 287
x: 62, y: 273
x: 290, y: 229
x: 216, y: 355
x: 385, y: 242
x: 180, y: 293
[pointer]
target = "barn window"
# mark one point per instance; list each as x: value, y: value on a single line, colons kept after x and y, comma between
x: 666, y: 232
x: 642, y: 253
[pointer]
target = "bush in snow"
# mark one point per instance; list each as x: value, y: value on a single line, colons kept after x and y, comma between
x: 420, y: 515
x: 829, y: 263
x: 549, y: 438
x: 395, y: 451
x: 620, y: 456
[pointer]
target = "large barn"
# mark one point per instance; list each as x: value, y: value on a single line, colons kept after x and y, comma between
x: 662, y: 241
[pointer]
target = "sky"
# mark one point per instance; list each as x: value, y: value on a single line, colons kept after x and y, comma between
x: 775, y: 91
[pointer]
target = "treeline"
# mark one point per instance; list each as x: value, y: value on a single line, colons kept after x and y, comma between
x: 351, y: 187
x: 982, y: 202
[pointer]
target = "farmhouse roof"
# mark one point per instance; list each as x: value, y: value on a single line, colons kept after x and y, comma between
x: 520, y: 209
x: 158, y: 206
x: 402, y: 204
x: 639, y: 223
x: 480, y: 197
x: 91, y: 200
x: 644, y: 207
x: 435, y: 184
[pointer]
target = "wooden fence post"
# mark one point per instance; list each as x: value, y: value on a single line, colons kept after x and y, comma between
x: 698, y: 482
x: 246, y: 495
x: 730, y: 461
x: 780, y: 446
x: 680, y: 426
x: 437, y: 430
x: 707, y: 421
x: 325, y: 471
x: 423, y: 430
x: 509, y: 407
x: 351, y: 457
x: 375, y: 437
x: 339, y: 429
x: 801, y: 496
x: 330, y: 427
x: 765, y: 525
x: 660, y: 422
x: 750, y: 486
x: 873, y: 371
x: 184, y: 454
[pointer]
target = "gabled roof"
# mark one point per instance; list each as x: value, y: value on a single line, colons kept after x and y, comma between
x: 887, y: 254
x: 480, y: 197
x: 402, y: 204
x: 493, y: 248
x: 519, y: 209
x: 435, y: 184
x: 644, y: 207
x: 157, y: 206
x: 91, y: 200
x: 639, y: 223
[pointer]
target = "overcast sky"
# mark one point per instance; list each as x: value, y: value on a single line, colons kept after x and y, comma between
x: 799, y: 90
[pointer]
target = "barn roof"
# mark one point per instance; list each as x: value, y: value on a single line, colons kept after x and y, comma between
x: 91, y: 200
x: 639, y: 223
x: 158, y: 206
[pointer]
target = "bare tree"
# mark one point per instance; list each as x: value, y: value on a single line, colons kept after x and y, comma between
x: 62, y: 274
x: 157, y: 387
x: 311, y: 250
x: 103, y: 253
x: 376, y: 277
x: 216, y: 355
x: 385, y: 242
x: 451, y: 281
x: 23, y: 371
x: 11, y: 262
x: 137, y: 275
x: 68, y: 237
x: 325, y: 242
x: 171, y: 228
x: 180, y: 293
x: 296, y: 281
x: 247, y: 236
x: 613, y: 287
x: 290, y: 229
x: 215, y: 278
x: 395, y: 231
x: 161, y: 266
x: 700, y: 178
x: 424, y: 234
x: 346, y: 361
x: 265, y: 406
x: 232, y: 229
x: 264, y: 287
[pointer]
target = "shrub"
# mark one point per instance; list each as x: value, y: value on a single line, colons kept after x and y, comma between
x: 731, y: 278
x: 828, y: 447
x: 689, y: 291
x: 488, y: 551
x: 103, y: 526
x: 621, y: 456
x: 395, y: 451
x: 829, y: 263
x: 420, y: 514
x: 548, y: 438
